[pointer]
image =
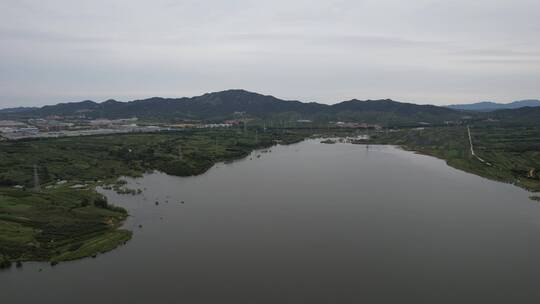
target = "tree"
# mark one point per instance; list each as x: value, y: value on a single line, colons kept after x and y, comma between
x: 101, y: 202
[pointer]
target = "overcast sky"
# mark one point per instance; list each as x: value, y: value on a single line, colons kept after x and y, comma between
x: 422, y: 51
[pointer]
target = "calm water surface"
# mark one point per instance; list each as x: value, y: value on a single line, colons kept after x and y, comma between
x: 309, y: 223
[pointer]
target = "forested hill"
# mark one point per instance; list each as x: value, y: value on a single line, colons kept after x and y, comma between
x: 487, y: 106
x: 232, y: 103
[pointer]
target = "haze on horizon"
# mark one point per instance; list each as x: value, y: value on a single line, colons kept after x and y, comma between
x: 422, y: 51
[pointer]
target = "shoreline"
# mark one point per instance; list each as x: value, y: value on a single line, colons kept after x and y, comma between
x: 453, y: 146
x: 107, y: 233
x: 90, y: 242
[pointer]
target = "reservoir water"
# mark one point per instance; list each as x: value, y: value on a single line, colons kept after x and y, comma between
x: 309, y: 223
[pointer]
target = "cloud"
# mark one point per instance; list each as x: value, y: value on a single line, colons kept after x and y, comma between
x: 505, y: 61
x: 500, y: 52
x: 49, y: 36
x: 418, y: 50
x: 337, y: 38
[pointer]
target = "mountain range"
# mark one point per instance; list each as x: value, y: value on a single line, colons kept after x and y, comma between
x: 487, y: 106
x: 228, y: 104
x: 16, y: 110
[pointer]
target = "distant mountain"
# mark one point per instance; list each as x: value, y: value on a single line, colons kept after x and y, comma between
x: 231, y: 103
x: 519, y: 116
x: 487, y: 106
x: 17, y: 110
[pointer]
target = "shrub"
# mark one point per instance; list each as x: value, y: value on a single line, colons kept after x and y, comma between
x: 101, y: 202
x: 4, y: 262
x: 85, y: 202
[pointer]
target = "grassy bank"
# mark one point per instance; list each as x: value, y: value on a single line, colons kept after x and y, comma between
x: 66, y: 219
x: 511, y: 154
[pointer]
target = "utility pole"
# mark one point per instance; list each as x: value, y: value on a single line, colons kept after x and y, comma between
x: 36, y: 180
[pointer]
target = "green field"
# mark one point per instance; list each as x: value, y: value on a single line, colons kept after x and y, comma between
x: 67, y: 219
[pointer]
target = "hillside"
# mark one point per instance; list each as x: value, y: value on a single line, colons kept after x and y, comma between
x: 391, y: 112
x: 231, y: 103
x: 520, y: 116
x: 16, y: 110
x: 487, y: 106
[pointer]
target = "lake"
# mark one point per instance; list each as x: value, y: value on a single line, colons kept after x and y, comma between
x: 309, y: 223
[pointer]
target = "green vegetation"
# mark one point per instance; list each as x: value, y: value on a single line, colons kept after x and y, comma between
x: 88, y: 159
x: 4, y: 262
x: 219, y: 106
x: 57, y: 224
x: 511, y: 154
x: 67, y: 219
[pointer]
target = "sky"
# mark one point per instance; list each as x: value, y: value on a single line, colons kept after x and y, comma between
x: 422, y: 51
